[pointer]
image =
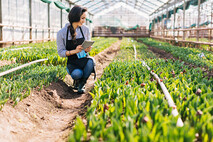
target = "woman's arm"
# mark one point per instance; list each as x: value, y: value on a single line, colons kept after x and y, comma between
x: 72, y: 52
x: 62, y: 49
x: 61, y: 45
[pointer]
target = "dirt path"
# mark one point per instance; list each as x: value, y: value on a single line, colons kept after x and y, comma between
x: 48, y: 115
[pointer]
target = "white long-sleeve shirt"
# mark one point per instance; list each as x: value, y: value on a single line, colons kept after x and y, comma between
x: 61, y: 38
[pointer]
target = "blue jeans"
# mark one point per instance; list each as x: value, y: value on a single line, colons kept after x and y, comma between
x: 85, y: 73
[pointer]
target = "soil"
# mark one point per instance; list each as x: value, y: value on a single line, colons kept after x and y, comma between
x: 160, y: 53
x: 48, y: 115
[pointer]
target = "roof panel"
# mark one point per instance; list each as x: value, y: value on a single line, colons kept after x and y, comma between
x: 147, y: 6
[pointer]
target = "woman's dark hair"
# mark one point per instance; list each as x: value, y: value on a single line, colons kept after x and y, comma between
x: 74, y: 16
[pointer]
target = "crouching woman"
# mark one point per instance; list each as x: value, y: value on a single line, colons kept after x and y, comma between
x: 69, y: 44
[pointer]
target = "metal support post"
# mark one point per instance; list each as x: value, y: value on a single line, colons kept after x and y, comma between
x: 184, y: 16
x: 48, y: 18
x: 1, y: 31
x: 30, y: 19
x: 198, y: 20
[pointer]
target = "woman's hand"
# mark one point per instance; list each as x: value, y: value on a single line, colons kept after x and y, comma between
x: 88, y: 49
x: 78, y: 48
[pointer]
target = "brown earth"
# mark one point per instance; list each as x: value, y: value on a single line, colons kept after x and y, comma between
x: 160, y: 53
x: 48, y: 115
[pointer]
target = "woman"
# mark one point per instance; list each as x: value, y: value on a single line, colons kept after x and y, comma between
x: 69, y: 40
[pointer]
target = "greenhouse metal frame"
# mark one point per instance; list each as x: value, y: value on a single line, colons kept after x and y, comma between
x: 42, y: 25
x: 124, y: 71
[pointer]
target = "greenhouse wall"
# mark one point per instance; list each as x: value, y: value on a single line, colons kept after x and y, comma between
x: 173, y: 26
x: 17, y: 13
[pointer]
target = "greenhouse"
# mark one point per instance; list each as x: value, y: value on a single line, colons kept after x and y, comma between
x: 104, y: 70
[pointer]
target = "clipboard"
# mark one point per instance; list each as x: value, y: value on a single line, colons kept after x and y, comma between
x: 87, y: 44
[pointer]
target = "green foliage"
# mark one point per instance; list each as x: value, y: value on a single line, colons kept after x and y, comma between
x: 79, y: 132
x: 18, y: 85
x: 49, y: 50
x: 190, y: 55
x: 38, y: 51
x: 101, y: 44
x: 124, y: 110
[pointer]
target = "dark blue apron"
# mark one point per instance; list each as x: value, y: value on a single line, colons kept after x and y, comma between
x: 73, y: 62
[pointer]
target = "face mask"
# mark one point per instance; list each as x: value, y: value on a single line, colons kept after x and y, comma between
x: 81, y: 54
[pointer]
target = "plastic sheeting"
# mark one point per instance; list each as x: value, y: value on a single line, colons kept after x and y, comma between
x: 16, y: 12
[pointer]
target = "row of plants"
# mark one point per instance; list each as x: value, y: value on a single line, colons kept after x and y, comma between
x: 191, y: 55
x: 96, y: 39
x: 49, y: 50
x: 18, y: 85
x: 192, y: 93
x: 128, y: 105
x: 101, y: 44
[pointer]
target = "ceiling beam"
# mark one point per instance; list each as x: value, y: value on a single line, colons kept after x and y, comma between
x: 138, y: 8
x: 95, y: 9
x: 165, y: 5
x: 142, y: 8
x: 160, y: 7
x: 69, y: 2
x: 126, y: 6
x: 94, y: 4
x: 160, y: 1
x: 76, y: 1
x: 72, y: 3
x: 148, y: 6
x: 106, y: 4
x: 86, y: 3
x: 151, y: 3
x: 143, y: 11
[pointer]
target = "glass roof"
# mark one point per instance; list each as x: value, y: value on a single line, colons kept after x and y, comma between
x: 145, y: 6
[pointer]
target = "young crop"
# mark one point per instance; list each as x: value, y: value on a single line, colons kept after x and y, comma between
x: 137, y: 109
x: 18, y: 85
x: 101, y: 44
x: 49, y: 50
x: 190, y: 55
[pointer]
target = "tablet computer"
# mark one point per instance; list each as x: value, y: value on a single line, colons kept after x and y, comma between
x: 87, y: 44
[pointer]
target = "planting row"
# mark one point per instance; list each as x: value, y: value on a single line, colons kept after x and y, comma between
x: 18, y: 84
x: 191, y: 55
x: 128, y: 105
x: 49, y: 50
